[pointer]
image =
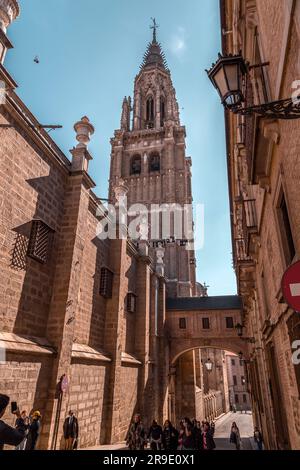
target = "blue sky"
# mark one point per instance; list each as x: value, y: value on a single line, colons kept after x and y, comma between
x: 90, y: 52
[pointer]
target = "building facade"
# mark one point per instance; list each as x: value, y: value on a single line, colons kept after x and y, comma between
x: 238, y: 387
x: 264, y: 176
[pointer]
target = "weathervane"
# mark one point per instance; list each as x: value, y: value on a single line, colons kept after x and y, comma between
x: 154, y: 27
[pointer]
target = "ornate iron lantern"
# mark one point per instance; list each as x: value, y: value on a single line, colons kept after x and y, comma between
x: 229, y: 76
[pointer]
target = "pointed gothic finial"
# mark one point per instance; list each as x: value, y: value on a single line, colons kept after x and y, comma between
x: 154, y: 27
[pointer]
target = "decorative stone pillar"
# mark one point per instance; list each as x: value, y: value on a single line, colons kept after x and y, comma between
x: 121, y: 191
x: 81, y: 157
x: 9, y: 11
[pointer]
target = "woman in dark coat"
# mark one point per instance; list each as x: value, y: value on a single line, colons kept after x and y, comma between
x: 34, y: 431
x: 170, y: 436
x: 207, y: 441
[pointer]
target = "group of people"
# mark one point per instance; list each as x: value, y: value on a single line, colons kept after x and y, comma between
x: 191, y: 435
x: 24, y: 435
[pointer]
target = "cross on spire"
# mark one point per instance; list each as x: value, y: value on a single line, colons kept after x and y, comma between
x: 154, y: 27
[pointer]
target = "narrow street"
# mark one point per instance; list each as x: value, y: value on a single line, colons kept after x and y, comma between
x: 223, y: 426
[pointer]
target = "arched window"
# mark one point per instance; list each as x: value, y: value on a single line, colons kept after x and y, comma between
x: 150, y: 113
x: 136, y: 165
x: 154, y: 162
x: 162, y: 111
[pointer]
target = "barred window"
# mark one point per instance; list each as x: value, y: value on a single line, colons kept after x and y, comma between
x: 40, y: 241
x: 131, y: 302
x: 106, y: 281
x: 182, y: 323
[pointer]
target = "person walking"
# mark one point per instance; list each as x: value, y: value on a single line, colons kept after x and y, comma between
x: 207, y: 441
x: 70, y: 428
x: 34, y: 431
x: 9, y: 435
x: 169, y: 436
x: 235, y: 437
x: 197, y: 433
x: 188, y: 442
x: 155, y: 436
x: 258, y: 439
x: 22, y: 422
x: 136, y: 435
x: 180, y: 435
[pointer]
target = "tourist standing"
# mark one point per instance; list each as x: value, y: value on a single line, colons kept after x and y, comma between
x: 188, y: 442
x: 155, y: 436
x: 22, y: 422
x: 207, y: 441
x: 71, y: 431
x: 9, y: 435
x: 235, y: 437
x: 258, y: 439
x: 34, y: 431
x: 169, y: 436
x: 136, y: 434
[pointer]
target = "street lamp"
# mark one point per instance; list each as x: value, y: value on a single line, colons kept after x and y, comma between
x: 229, y: 76
x: 208, y: 365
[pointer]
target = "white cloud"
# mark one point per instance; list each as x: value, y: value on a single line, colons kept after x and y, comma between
x: 178, y: 42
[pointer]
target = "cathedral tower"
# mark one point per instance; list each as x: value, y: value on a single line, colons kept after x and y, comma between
x: 148, y: 153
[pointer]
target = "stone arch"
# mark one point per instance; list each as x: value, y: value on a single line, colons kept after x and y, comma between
x: 180, y: 347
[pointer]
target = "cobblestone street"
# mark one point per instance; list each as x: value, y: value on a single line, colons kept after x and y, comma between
x: 223, y: 426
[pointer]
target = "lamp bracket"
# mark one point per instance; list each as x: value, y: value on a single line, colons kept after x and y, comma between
x: 282, y: 109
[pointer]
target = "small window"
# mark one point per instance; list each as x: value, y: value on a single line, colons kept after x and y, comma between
x: 39, y: 241
x: 106, y: 281
x: 241, y: 363
x: 244, y: 398
x: 243, y: 380
x: 233, y: 362
x: 150, y: 113
x: 136, y: 165
x: 154, y: 162
x: 182, y: 323
x: 229, y: 322
x: 236, y: 398
x: 131, y: 302
x: 205, y: 323
x: 234, y: 380
x: 285, y: 230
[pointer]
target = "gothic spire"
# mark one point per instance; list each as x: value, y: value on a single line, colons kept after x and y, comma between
x: 154, y: 55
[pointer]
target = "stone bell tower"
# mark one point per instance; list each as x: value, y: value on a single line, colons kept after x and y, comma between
x: 148, y: 153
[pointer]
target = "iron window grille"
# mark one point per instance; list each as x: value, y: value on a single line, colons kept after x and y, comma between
x: 131, y: 302
x: 40, y: 241
x: 106, y: 282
